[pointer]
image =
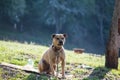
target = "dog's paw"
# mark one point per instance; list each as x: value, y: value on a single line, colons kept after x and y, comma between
x: 63, y: 77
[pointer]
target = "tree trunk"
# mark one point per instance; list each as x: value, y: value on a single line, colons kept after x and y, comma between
x: 119, y: 26
x: 58, y: 21
x: 21, y: 28
x: 15, y: 26
x: 57, y: 15
x: 111, y: 57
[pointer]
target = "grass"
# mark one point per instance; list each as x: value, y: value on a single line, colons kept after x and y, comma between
x: 19, y: 53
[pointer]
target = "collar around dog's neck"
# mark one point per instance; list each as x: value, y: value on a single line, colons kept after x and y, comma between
x: 56, y: 49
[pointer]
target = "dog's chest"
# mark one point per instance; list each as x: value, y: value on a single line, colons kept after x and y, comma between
x: 57, y: 58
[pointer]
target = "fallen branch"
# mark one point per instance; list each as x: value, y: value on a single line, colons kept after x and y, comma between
x: 29, y: 69
x: 26, y: 68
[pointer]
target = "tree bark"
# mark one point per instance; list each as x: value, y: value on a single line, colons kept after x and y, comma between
x: 58, y: 21
x: 111, y: 57
x: 55, y: 12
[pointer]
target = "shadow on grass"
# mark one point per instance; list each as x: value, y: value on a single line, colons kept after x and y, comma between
x: 98, y: 73
x: 37, y: 77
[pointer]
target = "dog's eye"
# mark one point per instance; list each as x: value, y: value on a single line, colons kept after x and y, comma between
x: 62, y: 38
x: 57, y: 38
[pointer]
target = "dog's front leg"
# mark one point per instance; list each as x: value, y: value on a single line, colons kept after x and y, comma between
x: 52, y: 68
x: 63, y: 68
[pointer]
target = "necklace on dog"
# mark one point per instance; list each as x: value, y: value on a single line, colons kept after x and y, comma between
x: 57, y: 53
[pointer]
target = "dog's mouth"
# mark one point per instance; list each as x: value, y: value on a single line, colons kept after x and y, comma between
x: 60, y: 44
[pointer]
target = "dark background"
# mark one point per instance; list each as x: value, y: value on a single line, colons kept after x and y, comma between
x: 86, y: 22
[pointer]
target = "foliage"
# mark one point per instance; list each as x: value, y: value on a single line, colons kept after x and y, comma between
x: 82, y: 20
x: 14, y: 9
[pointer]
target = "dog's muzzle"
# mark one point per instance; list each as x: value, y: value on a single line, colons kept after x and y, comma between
x: 60, y: 43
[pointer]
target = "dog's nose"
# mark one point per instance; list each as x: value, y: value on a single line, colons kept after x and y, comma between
x: 60, y: 42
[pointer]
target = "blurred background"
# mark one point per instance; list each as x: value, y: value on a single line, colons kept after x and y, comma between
x: 86, y: 22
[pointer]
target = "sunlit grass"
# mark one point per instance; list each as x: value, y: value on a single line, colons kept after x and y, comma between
x: 84, y: 58
x: 19, y: 53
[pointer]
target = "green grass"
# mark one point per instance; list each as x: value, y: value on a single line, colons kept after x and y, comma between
x: 19, y: 53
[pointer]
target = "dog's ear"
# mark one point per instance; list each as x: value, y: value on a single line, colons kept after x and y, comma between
x: 53, y: 35
x: 65, y: 35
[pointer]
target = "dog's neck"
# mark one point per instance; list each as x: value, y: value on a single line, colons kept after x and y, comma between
x: 56, y: 49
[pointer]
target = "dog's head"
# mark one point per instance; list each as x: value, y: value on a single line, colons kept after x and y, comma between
x: 58, y: 39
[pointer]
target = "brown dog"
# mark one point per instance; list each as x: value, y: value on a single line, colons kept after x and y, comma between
x: 54, y: 55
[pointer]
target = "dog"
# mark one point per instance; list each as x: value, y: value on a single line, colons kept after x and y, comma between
x: 54, y: 55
